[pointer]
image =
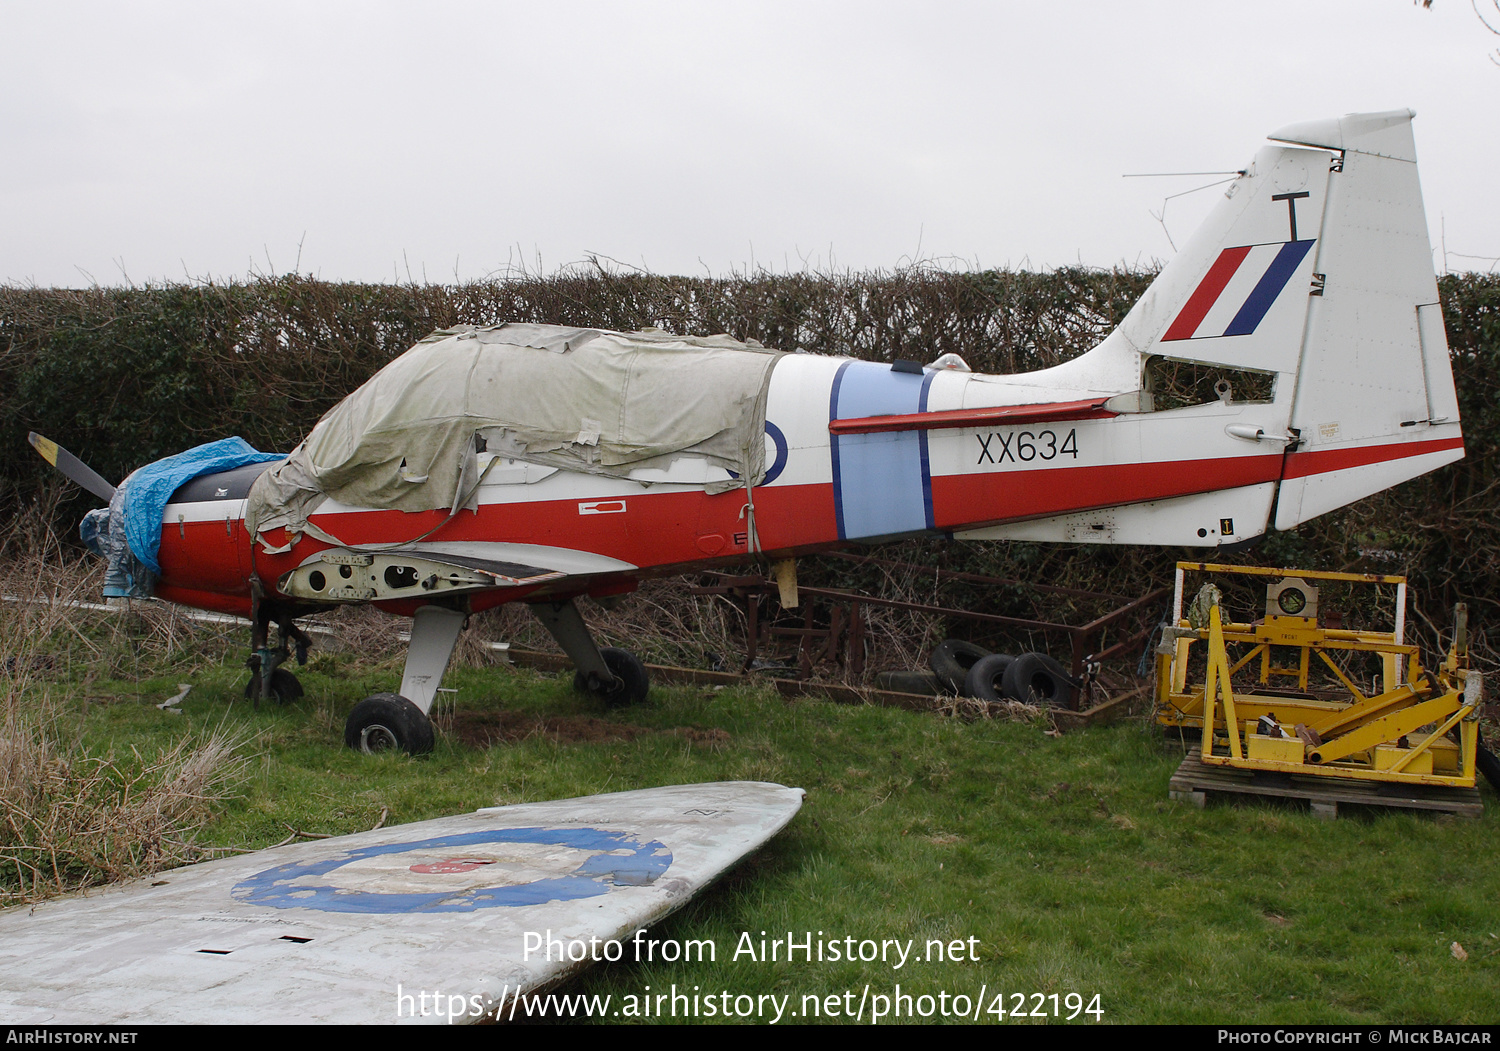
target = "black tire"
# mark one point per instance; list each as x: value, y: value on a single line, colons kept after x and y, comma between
x: 1488, y: 765
x: 951, y: 660
x: 919, y: 682
x: 388, y: 722
x: 1036, y: 678
x: 632, y: 683
x: 285, y: 688
x: 986, y: 680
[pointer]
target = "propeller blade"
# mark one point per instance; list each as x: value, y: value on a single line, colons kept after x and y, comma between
x: 70, y: 465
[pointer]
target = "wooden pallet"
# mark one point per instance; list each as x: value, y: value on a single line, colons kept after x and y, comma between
x: 1194, y: 782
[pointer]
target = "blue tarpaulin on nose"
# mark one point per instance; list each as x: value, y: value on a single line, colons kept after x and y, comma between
x: 147, y: 491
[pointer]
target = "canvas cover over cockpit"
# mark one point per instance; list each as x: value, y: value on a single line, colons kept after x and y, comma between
x: 414, y: 437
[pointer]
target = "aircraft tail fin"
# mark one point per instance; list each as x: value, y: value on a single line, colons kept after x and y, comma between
x: 1315, y: 272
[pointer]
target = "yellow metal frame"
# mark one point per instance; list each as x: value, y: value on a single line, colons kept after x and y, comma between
x: 1382, y: 737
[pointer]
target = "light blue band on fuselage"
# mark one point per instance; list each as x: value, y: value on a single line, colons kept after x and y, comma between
x: 882, y: 484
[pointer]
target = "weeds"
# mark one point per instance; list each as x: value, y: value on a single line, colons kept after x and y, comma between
x: 71, y: 817
x: 73, y: 820
x: 1059, y: 854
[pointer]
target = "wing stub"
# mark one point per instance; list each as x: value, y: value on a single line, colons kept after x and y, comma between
x: 338, y: 575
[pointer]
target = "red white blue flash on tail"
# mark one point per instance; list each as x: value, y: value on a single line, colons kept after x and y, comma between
x: 1238, y: 290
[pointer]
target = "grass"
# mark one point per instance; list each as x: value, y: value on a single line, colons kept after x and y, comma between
x: 1060, y: 855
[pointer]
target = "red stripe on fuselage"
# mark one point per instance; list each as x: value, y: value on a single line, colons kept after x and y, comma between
x: 665, y: 528
x: 205, y: 557
x: 207, y: 567
x: 655, y: 529
x: 1322, y: 461
x: 963, y: 500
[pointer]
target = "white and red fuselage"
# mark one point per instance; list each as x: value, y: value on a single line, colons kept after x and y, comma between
x: 1313, y: 273
x: 1086, y: 475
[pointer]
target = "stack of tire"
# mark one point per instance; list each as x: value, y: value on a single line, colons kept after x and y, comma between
x: 972, y: 671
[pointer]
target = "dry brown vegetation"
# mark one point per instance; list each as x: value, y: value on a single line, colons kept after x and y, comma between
x: 72, y: 817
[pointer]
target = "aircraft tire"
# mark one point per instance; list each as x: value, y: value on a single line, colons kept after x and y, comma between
x: 285, y: 686
x: 951, y: 660
x: 986, y: 679
x: 1036, y: 678
x: 634, y: 683
x: 386, y: 722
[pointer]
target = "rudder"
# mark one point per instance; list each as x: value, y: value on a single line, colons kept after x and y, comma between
x: 1375, y: 403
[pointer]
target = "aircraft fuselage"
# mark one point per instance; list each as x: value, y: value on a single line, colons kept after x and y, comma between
x: 1089, y: 474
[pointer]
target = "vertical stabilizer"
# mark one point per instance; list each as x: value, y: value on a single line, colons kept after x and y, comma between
x: 1308, y: 297
x: 1316, y: 267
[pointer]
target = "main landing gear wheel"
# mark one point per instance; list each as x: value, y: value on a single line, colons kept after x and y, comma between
x: 284, y: 686
x: 388, y: 722
x: 631, y: 681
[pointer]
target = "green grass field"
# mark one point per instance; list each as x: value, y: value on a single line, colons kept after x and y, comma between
x: 1061, y: 857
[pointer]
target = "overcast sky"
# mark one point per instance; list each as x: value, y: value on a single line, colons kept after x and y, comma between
x: 387, y: 141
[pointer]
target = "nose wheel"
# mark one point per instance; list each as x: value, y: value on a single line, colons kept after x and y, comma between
x: 285, y: 687
x: 267, y: 678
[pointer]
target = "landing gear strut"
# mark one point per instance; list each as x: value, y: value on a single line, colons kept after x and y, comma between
x: 267, y: 677
x: 391, y: 721
x: 616, y: 676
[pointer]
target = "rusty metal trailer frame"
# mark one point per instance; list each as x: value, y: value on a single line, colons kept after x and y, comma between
x: 842, y: 641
